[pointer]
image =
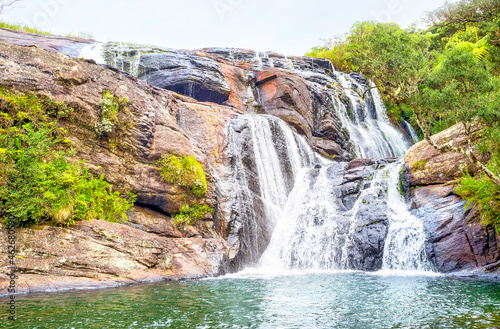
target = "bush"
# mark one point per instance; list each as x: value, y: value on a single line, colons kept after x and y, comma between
x: 110, y: 106
x: 483, y: 194
x: 419, y: 165
x: 19, y: 27
x: 189, y: 215
x: 185, y: 171
x: 38, y: 180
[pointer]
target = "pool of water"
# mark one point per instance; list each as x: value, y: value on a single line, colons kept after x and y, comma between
x: 252, y: 300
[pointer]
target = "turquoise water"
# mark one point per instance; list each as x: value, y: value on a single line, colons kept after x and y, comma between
x: 308, y: 300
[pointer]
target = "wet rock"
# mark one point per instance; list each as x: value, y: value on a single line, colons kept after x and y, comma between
x: 457, y: 240
x: 193, y: 76
x: 366, y: 249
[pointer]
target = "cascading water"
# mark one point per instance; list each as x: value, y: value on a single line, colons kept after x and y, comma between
x: 412, y: 132
x: 405, y: 242
x: 287, y: 207
x: 266, y: 157
x: 366, y: 120
x: 316, y: 214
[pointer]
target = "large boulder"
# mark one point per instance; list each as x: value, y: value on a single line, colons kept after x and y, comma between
x: 457, y: 239
x: 428, y: 166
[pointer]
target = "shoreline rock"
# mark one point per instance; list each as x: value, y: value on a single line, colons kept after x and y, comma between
x: 101, y: 254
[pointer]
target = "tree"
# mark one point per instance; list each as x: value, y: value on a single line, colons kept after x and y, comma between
x: 458, y: 15
x: 461, y: 87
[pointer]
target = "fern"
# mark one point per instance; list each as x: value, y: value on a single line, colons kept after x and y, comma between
x: 462, y: 40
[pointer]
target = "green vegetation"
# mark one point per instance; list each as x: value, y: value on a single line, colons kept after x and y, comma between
x: 447, y: 74
x: 189, y: 215
x: 185, y: 171
x: 484, y: 194
x: 419, y: 165
x: 19, y: 27
x: 39, y: 180
x: 110, y: 106
x: 26, y: 28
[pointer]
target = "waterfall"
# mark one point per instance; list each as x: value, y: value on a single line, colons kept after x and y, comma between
x: 412, y: 132
x: 302, y: 212
x: 284, y: 206
x: 405, y: 243
x: 266, y: 158
x: 366, y: 120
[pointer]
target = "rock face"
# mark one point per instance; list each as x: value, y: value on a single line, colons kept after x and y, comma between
x: 302, y: 91
x: 371, y: 221
x: 158, y: 122
x: 457, y: 240
x: 427, y: 166
x: 99, y: 254
x: 156, y: 117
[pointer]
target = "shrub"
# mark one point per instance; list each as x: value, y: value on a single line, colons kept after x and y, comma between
x: 185, y: 171
x: 189, y: 215
x: 19, y: 27
x: 484, y: 194
x: 38, y: 180
x: 110, y: 106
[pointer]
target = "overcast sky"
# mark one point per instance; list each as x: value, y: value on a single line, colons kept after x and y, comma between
x: 286, y: 26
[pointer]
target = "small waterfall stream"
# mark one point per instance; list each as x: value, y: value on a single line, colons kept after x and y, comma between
x: 266, y: 159
x: 404, y: 244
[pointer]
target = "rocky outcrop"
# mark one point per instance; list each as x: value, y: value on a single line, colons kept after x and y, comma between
x: 43, y: 41
x: 157, y: 122
x: 292, y: 89
x: 428, y: 166
x: 457, y: 240
x: 371, y: 222
x: 160, y: 122
x: 101, y: 254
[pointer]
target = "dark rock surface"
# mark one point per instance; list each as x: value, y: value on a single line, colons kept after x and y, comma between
x: 457, y: 240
